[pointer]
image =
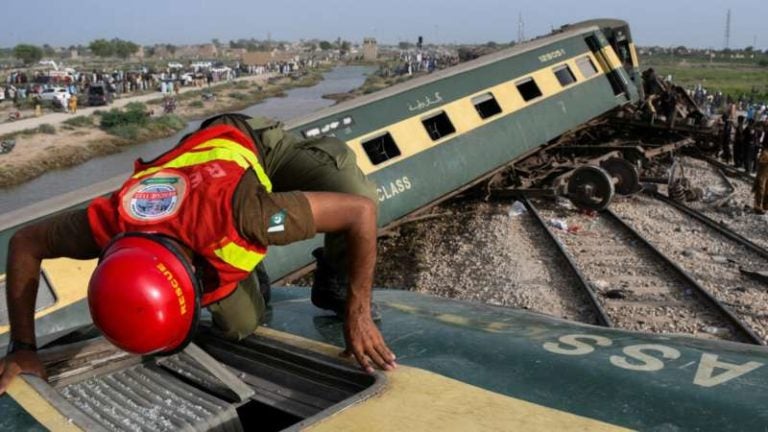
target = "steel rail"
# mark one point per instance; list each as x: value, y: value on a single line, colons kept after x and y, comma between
x: 728, y: 169
x: 750, y: 335
x: 738, y: 238
x: 602, y: 317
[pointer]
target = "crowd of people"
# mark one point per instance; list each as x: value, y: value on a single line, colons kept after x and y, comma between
x: 422, y: 61
x: 21, y: 86
x: 744, y: 144
x: 713, y: 102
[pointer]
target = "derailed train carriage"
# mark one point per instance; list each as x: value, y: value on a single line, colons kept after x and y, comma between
x: 464, y: 366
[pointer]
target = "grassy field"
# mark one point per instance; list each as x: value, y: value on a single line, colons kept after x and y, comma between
x: 732, y: 78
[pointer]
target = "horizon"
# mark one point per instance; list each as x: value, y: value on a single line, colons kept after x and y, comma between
x: 654, y: 23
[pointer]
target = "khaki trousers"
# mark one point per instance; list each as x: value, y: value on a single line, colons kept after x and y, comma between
x: 292, y: 163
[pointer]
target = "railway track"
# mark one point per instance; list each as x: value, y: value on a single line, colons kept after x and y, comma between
x: 713, y: 254
x: 735, y: 213
x: 601, y: 316
x: 480, y: 252
x: 638, y: 287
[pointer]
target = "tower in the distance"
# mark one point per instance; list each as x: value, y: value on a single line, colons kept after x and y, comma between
x: 727, y: 30
x: 520, y: 28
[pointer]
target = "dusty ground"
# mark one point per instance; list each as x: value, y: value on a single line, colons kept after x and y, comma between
x: 479, y: 251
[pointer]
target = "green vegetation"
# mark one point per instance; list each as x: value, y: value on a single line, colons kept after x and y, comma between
x: 47, y: 128
x: 115, y: 47
x: 736, y: 73
x: 28, y: 54
x: 79, y: 121
x: 135, y: 114
x: 239, y: 96
x: 196, y: 104
x: 735, y: 79
x: 134, y: 123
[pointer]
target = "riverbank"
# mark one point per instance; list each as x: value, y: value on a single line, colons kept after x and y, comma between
x: 81, y: 138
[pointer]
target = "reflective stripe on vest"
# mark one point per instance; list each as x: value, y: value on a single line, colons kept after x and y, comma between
x: 238, y: 256
x: 221, y: 149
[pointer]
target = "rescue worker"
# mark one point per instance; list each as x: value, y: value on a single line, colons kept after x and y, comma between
x: 761, y: 182
x: 186, y: 231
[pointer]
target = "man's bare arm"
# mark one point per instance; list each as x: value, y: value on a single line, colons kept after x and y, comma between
x: 356, y: 217
x: 60, y: 236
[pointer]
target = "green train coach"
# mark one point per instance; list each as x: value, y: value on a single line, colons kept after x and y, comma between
x: 463, y: 366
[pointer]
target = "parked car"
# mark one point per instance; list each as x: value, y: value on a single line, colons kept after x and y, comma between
x: 58, y: 95
x: 99, y: 94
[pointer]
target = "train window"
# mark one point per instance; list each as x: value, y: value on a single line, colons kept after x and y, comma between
x: 564, y: 75
x: 381, y: 148
x: 528, y: 89
x: 586, y: 67
x: 438, y: 125
x: 486, y: 105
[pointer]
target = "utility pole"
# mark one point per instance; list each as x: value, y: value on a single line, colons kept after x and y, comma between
x: 520, y: 28
x: 728, y: 30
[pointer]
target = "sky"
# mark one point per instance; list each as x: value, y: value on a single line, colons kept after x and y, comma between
x: 691, y: 23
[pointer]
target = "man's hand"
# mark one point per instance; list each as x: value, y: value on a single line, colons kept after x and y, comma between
x: 356, y: 217
x: 22, y: 361
x: 364, y: 341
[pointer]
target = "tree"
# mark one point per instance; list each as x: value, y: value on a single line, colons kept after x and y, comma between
x: 171, y: 48
x: 124, y: 49
x: 405, y: 45
x: 325, y: 45
x: 101, y: 48
x: 28, y: 53
x: 344, y: 48
x: 48, y: 50
x: 216, y: 42
x: 749, y: 49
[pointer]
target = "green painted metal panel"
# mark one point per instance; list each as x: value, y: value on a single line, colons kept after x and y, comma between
x: 513, y: 352
x: 14, y: 418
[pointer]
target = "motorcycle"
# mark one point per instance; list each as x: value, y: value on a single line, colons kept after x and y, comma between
x: 7, y: 145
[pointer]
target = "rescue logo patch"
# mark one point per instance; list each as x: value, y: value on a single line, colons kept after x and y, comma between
x: 155, y: 198
x: 277, y: 222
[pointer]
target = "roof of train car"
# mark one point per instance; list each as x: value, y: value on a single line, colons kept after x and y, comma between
x: 552, y: 373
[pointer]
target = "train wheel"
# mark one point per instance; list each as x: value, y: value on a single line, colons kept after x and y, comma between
x: 590, y: 187
x: 625, y: 175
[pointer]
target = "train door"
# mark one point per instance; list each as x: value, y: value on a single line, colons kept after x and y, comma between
x: 611, y: 70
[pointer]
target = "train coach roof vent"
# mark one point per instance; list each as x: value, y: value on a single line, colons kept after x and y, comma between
x: 213, y: 385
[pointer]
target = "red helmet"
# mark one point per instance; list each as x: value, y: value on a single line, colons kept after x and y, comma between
x: 144, y: 295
